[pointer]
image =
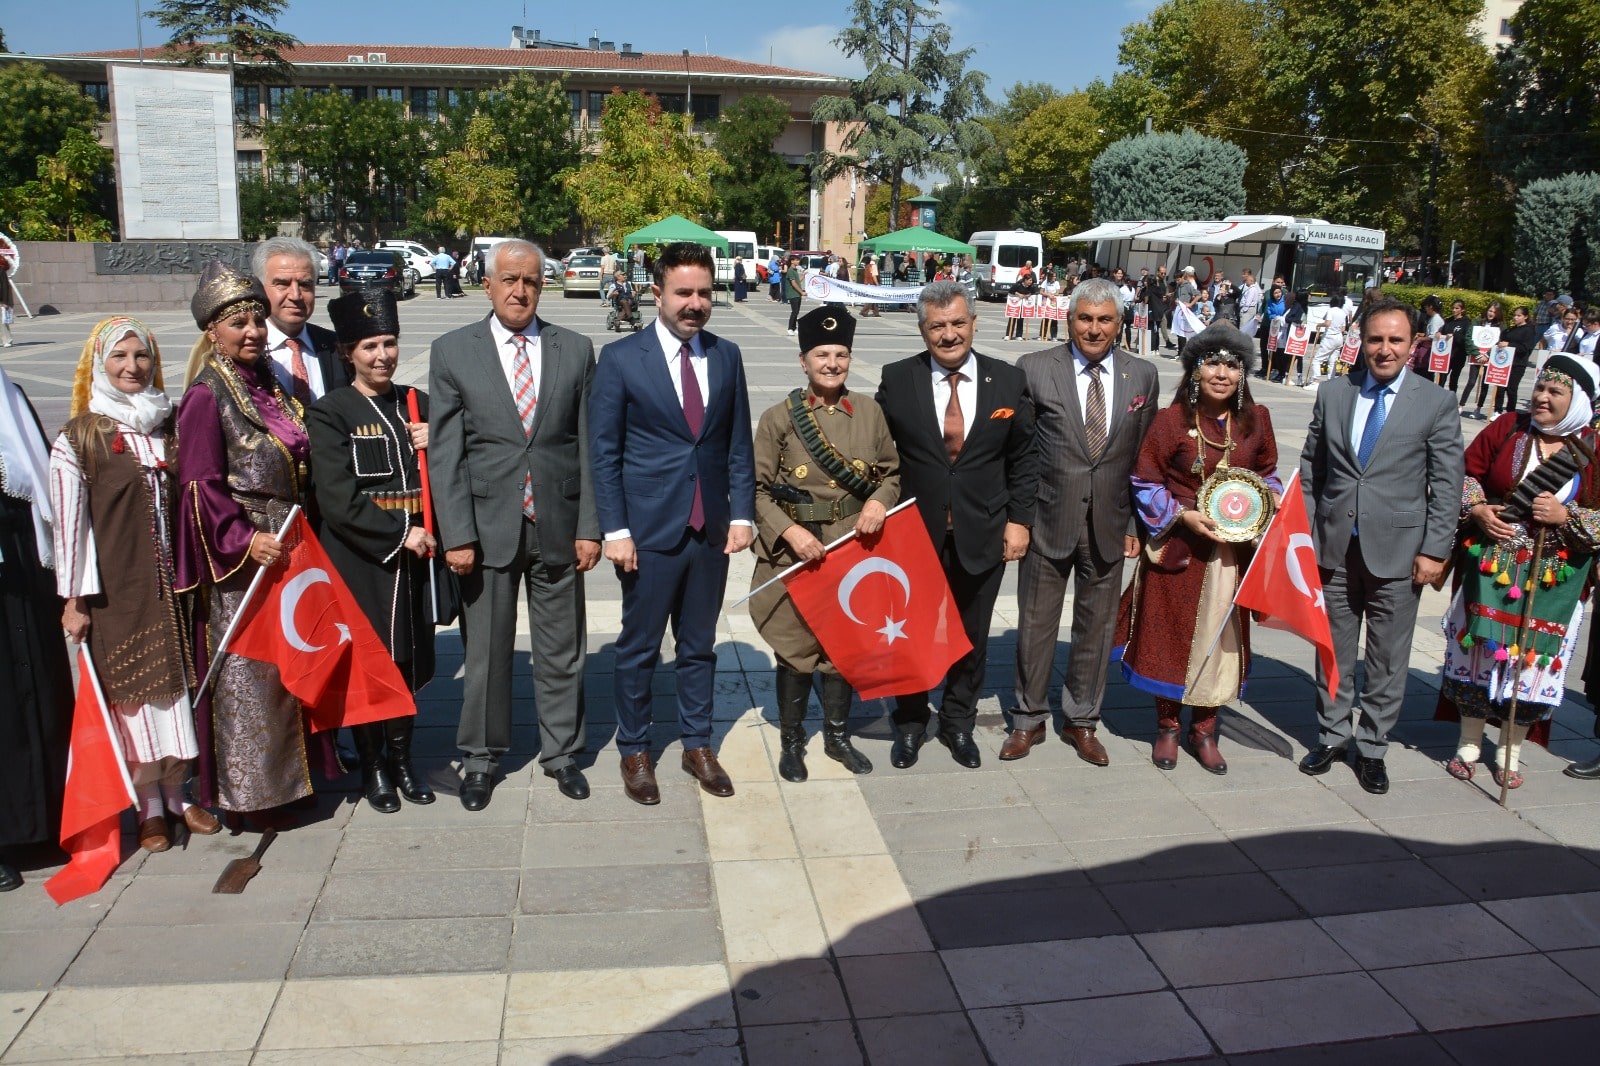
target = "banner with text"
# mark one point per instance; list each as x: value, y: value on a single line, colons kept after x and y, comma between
x: 837, y: 291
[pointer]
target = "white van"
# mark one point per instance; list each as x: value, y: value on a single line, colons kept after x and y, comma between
x: 741, y: 242
x: 999, y: 254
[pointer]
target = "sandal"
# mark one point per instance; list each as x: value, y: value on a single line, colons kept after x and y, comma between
x: 1511, y: 780
x: 1461, y: 771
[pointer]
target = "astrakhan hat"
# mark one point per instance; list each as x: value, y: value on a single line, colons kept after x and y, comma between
x: 367, y: 312
x: 826, y: 325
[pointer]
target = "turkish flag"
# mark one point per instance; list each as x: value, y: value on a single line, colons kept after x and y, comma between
x: 897, y: 580
x: 98, y: 791
x: 1284, y: 585
x: 305, y: 622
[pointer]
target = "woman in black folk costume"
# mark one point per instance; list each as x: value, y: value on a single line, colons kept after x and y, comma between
x: 364, y: 449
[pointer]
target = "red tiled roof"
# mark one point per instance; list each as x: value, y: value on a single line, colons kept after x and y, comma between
x: 537, y: 58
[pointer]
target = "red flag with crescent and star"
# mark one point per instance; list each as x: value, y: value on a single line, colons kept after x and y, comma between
x: 883, y: 613
x: 1283, y: 585
x: 305, y: 622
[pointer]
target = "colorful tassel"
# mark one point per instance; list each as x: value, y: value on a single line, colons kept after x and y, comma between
x: 1514, y: 650
x: 1494, y: 566
x: 1513, y: 593
x: 1501, y: 656
x: 1530, y: 658
x: 1466, y: 640
x: 1556, y: 663
x: 1503, y: 580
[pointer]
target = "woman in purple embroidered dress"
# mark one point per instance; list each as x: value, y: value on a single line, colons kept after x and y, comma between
x: 241, y: 468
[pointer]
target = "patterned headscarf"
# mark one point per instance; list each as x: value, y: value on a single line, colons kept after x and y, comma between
x: 93, y: 391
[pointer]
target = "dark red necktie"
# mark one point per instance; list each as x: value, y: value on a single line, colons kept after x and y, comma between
x: 694, y: 413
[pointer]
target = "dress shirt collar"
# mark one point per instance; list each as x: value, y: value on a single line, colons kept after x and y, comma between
x: 1082, y: 361
x: 968, y: 368
x: 276, y: 337
x: 1370, y: 387
x: 671, y: 343
x: 502, y: 334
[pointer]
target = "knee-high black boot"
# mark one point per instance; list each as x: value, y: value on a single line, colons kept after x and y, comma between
x: 412, y: 785
x: 794, y: 692
x: 375, y: 782
x: 836, y: 697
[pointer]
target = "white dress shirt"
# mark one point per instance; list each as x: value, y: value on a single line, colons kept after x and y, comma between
x: 968, y: 392
x: 506, y: 348
x: 1081, y: 377
x: 282, y: 360
x: 1365, y: 399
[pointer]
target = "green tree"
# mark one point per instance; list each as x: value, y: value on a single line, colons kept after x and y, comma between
x: 1558, y: 235
x: 263, y: 204
x: 981, y: 196
x: 1168, y: 175
x: 649, y: 166
x: 62, y: 203
x: 1047, y: 165
x: 474, y: 194
x: 758, y: 188
x: 875, y: 217
x: 353, y: 160
x: 37, y: 109
x: 916, y: 109
x: 536, y: 123
x: 1545, y: 116
x: 241, y: 28
x: 1475, y: 202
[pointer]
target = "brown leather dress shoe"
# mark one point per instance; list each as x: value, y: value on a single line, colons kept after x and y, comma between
x: 153, y: 834
x: 639, y: 779
x: 1090, y: 749
x: 199, y: 820
x: 702, y: 764
x: 1020, y: 741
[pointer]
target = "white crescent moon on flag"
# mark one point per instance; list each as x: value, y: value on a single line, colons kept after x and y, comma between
x: 1292, y: 561
x: 291, y: 599
x: 847, y: 587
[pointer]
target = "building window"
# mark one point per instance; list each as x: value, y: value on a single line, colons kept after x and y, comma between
x: 457, y: 97
x: 671, y: 103
x: 575, y: 105
x: 425, y: 103
x: 1505, y: 27
x: 707, y: 108
x: 397, y: 96
x: 354, y: 92
x: 248, y: 165
x: 100, y: 93
x: 597, y: 106
x: 247, y: 103
x: 276, y: 96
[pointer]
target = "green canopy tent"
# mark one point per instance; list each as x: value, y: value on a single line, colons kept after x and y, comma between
x: 672, y: 229
x: 917, y: 239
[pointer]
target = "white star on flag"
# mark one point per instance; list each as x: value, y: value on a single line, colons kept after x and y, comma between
x: 892, y: 630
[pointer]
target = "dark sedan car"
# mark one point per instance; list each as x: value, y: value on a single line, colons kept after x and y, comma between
x: 382, y: 267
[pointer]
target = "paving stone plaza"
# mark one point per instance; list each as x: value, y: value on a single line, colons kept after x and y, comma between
x: 1034, y: 912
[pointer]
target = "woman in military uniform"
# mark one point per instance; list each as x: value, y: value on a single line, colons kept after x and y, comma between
x: 364, y: 448
x: 825, y: 465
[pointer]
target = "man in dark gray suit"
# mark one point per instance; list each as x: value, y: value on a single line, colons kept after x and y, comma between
x: 508, y: 418
x: 1093, y: 406
x: 1382, y: 473
x: 305, y: 357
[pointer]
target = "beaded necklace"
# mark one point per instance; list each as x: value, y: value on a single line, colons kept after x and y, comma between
x: 1225, y: 446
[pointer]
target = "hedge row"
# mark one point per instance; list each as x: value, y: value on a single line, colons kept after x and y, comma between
x: 1477, y: 302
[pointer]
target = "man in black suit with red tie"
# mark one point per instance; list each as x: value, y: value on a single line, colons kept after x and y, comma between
x: 963, y: 424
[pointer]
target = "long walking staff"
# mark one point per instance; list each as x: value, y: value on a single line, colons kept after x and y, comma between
x: 1508, y: 736
x: 807, y: 562
x: 233, y: 623
x: 427, y: 500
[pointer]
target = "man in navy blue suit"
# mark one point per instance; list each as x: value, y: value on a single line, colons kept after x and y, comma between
x: 674, y: 478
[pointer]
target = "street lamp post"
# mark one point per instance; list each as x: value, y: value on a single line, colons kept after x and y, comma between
x: 1433, y: 183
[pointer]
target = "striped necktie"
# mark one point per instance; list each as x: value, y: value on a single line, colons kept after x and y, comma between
x: 527, y: 399
x: 297, y: 371
x: 1094, y: 414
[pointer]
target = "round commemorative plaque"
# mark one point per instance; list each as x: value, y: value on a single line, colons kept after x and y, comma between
x: 1239, y: 501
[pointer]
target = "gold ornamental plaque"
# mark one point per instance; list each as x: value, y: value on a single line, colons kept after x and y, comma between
x: 1239, y: 501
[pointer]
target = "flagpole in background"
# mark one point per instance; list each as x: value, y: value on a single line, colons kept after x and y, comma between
x: 427, y: 500
x: 233, y: 623
x: 807, y: 562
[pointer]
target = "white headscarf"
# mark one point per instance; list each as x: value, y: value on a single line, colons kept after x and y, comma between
x: 1573, y: 370
x: 141, y: 411
x: 26, y: 457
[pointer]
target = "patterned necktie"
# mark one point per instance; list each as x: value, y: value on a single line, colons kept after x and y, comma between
x: 297, y: 370
x: 954, y: 425
x: 527, y: 400
x: 1094, y: 414
x: 694, y: 413
x: 1374, y: 426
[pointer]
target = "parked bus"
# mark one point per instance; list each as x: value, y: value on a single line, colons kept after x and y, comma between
x: 1309, y: 253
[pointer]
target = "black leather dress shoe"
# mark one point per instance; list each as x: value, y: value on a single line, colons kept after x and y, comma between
x: 569, y: 779
x: 906, y: 746
x: 1320, y: 758
x: 1372, y: 775
x: 10, y: 876
x: 475, y: 789
x: 962, y: 749
x: 1585, y: 771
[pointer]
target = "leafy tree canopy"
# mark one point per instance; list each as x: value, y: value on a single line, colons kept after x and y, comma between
x: 759, y: 188
x: 62, y: 203
x: 474, y: 193
x: 1544, y: 117
x: 37, y: 110
x: 1047, y: 165
x: 1168, y: 175
x: 242, y: 28
x: 1558, y: 234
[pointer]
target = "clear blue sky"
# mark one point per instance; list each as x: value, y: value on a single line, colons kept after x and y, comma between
x: 1065, y: 43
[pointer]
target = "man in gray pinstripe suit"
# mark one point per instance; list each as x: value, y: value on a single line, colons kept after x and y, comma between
x: 1093, y: 406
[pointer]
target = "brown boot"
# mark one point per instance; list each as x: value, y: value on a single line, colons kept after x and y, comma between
x: 1168, y: 722
x: 1202, y: 742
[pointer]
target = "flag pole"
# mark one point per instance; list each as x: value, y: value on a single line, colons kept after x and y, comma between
x: 807, y: 562
x: 427, y: 500
x: 233, y: 623
x: 1508, y: 721
x: 86, y: 663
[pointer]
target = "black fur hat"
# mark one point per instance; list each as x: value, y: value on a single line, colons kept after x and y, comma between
x: 1217, y: 339
x: 367, y: 312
